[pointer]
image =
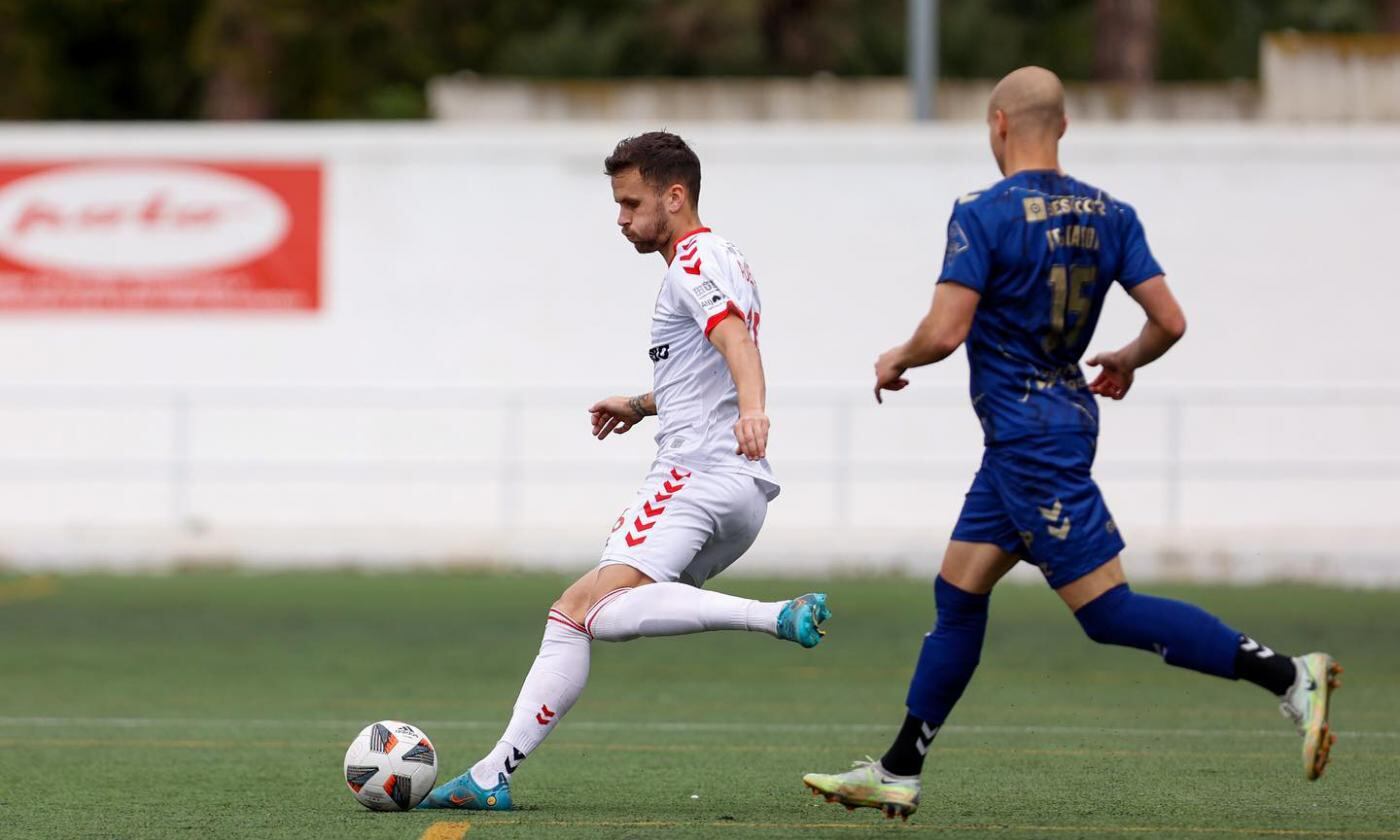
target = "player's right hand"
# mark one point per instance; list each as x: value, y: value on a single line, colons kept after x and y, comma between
x: 613, y: 415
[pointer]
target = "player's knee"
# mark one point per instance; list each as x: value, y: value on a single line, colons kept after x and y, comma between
x: 573, y: 604
x: 1097, y: 633
x: 1100, y: 617
x: 957, y: 607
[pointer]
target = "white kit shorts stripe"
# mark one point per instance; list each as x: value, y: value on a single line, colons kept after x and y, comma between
x: 687, y: 526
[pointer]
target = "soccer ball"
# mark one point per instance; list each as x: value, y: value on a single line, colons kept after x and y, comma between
x: 390, y: 766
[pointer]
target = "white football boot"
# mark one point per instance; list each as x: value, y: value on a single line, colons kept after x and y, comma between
x: 867, y: 785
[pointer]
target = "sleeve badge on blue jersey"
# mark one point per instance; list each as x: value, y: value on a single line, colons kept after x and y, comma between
x: 957, y: 243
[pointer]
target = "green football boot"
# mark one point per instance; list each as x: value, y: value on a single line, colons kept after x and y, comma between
x: 867, y: 785
x: 1308, y: 704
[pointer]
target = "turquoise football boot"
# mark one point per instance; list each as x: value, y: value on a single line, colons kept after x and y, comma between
x: 464, y: 794
x: 802, y: 617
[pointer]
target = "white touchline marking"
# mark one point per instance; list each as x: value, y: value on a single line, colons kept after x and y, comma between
x: 1282, y: 731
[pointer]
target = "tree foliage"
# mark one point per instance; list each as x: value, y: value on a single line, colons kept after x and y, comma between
x: 315, y: 59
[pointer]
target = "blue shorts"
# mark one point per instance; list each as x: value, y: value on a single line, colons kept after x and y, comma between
x: 1036, y: 499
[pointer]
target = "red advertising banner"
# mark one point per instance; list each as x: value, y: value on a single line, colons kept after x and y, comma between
x: 160, y: 235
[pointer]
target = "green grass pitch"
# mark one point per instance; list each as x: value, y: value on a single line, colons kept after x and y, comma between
x: 219, y: 705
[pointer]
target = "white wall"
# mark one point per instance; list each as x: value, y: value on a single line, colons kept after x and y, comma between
x: 866, y: 100
x: 460, y: 259
x: 1324, y: 77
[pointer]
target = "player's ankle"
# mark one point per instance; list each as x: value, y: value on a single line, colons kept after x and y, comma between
x: 762, y: 616
x: 1257, y: 663
x: 905, y: 757
x: 885, y: 772
x: 484, y: 775
x: 503, y: 760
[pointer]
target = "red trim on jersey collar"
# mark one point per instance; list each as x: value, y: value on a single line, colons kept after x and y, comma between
x: 677, y: 248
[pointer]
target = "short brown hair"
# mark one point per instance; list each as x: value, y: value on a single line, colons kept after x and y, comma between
x: 661, y: 158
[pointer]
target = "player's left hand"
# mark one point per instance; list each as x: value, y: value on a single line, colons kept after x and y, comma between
x: 889, y: 372
x: 752, y: 433
x: 1116, y: 377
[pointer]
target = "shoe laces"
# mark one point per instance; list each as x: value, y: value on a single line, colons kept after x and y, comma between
x: 878, y: 770
x: 869, y: 764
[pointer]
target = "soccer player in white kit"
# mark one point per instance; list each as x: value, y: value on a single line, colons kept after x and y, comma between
x: 705, y: 498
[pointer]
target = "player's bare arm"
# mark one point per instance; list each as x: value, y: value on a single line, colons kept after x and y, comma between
x: 617, y: 415
x: 942, y: 331
x: 731, y: 338
x: 1165, y: 326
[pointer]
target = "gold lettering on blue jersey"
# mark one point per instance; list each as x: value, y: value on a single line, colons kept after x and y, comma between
x: 1072, y: 236
x: 1078, y: 205
x: 1041, y: 208
x: 1082, y: 236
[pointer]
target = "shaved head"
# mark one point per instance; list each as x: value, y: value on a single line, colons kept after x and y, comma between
x: 1032, y: 99
x: 1026, y: 116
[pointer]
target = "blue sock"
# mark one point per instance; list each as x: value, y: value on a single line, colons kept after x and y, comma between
x: 950, y: 653
x: 1185, y: 635
x: 946, y: 663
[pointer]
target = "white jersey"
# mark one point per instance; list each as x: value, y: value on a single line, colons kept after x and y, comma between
x: 696, y: 399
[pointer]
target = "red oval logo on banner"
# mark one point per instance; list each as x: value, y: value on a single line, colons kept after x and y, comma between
x: 121, y: 219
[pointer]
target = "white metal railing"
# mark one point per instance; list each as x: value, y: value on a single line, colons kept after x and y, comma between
x: 507, y: 462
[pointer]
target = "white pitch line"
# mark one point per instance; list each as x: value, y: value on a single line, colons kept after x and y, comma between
x: 1282, y: 731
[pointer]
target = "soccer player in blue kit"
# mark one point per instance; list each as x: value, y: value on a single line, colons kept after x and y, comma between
x: 1028, y: 264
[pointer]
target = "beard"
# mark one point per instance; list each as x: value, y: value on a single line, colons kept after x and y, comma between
x: 650, y: 242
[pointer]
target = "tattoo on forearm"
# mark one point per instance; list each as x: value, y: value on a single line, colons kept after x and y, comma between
x: 638, y: 404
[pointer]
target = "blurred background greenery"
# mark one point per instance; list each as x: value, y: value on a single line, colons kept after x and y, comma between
x: 370, y: 59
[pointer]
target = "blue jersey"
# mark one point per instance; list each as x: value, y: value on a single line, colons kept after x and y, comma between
x: 1042, y: 249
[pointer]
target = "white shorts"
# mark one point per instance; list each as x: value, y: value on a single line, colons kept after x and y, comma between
x: 687, y: 526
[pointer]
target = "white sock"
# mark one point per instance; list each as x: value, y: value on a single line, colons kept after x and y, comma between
x: 551, y: 688
x: 675, y: 609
